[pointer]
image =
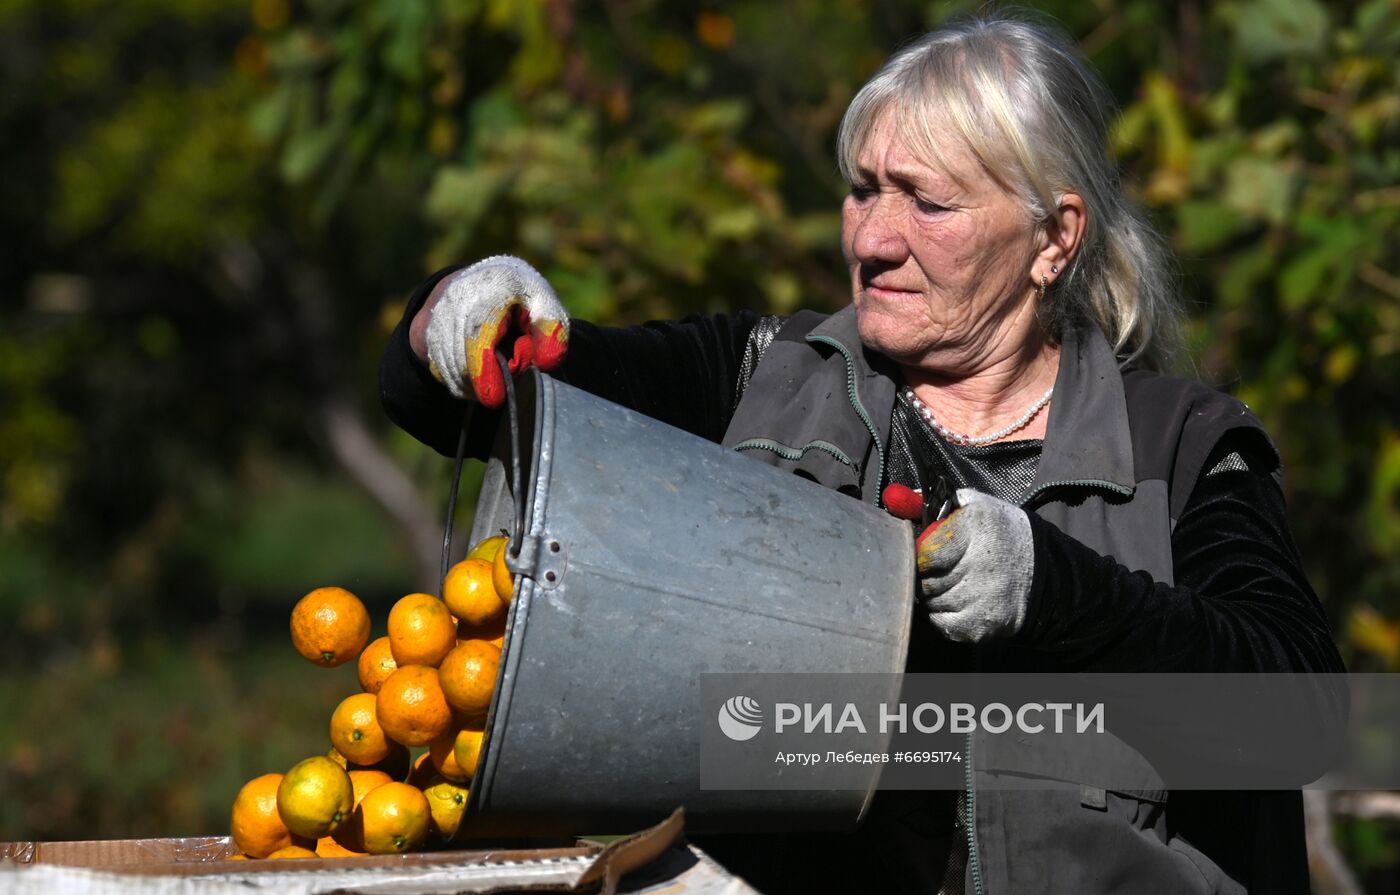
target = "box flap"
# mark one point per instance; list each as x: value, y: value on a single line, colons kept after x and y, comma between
x: 626, y: 855
x: 201, y: 866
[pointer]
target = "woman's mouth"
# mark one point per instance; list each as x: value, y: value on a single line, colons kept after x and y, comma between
x: 889, y: 293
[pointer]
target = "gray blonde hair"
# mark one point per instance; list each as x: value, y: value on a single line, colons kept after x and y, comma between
x: 1018, y: 97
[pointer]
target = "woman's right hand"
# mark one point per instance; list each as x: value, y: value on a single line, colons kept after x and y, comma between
x: 470, y: 312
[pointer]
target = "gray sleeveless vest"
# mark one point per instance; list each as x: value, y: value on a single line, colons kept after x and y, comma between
x: 1120, y: 457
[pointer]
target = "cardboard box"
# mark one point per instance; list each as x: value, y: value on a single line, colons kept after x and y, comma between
x: 656, y: 860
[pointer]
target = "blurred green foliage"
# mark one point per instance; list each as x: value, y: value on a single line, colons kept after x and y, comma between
x: 213, y: 210
x: 154, y: 738
x: 1276, y: 171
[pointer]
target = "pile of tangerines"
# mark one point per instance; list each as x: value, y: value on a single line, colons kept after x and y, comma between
x: 428, y: 683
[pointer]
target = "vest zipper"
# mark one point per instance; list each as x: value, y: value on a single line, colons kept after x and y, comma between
x: 1077, y: 483
x: 793, y: 454
x: 970, y: 809
x: 859, y: 407
x: 970, y: 821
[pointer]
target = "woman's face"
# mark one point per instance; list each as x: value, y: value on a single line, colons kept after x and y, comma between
x: 940, y: 266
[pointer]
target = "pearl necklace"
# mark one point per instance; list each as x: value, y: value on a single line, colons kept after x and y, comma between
x: 960, y: 438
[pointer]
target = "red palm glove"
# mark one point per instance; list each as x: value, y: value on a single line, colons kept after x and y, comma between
x: 483, y: 305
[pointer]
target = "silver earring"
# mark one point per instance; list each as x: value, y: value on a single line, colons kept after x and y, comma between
x: 1054, y: 269
x: 1044, y: 282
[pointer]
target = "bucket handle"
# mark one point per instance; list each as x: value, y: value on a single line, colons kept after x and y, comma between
x: 513, y: 414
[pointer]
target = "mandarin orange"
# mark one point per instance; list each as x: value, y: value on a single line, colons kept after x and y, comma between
x: 355, y: 730
x: 257, y: 828
x: 327, y: 847
x: 293, y: 851
x: 351, y: 835
x: 421, y: 630
x: 330, y: 626
x: 376, y: 663
x: 361, y: 782
x: 469, y: 590
x: 487, y: 548
x: 466, y: 749
x: 468, y: 677
x: 502, y: 577
x: 444, y: 761
x: 447, y: 802
x: 411, y: 706
x: 315, y: 797
x: 395, y: 818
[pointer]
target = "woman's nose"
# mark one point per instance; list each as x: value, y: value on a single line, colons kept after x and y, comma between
x: 877, y: 237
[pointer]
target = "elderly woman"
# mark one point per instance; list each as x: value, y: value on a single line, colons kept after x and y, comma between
x: 1010, y: 316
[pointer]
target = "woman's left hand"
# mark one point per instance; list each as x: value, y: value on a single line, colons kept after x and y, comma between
x: 975, y: 568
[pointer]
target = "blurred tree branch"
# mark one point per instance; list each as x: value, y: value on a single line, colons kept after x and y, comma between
x: 344, y: 428
x: 1330, y: 873
x: 341, y: 422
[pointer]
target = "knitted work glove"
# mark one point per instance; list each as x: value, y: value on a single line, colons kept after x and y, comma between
x: 479, y: 306
x: 975, y: 566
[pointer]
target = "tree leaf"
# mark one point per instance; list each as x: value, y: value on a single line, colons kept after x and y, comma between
x: 1267, y: 30
x: 307, y: 152
x: 1260, y: 188
x: 1202, y: 225
x: 460, y: 196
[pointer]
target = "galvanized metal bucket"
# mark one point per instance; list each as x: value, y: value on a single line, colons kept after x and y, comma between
x: 649, y: 556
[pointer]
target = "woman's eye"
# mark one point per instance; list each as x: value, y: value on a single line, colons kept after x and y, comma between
x: 861, y: 193
x: 928, y: 207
